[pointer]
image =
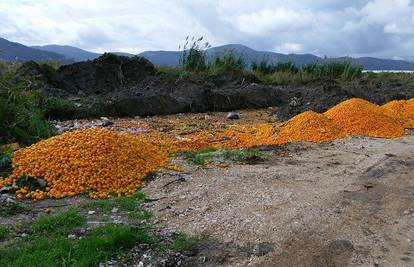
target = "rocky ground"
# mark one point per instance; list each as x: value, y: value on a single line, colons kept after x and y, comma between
x: 347, y: 203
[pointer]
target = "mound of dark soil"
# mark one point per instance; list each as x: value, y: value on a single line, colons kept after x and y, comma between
x: 114, y: 85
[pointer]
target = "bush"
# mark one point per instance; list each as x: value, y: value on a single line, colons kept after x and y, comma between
x: 333, y: 70
x: 264, y: 67
x: 22, y: 114
x: 193, y: 56
x: 227, y: 62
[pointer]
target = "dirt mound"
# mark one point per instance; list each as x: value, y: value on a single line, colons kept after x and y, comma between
x: 105, y: 74
x: 317, y: 96
x: 120, y: 86
x: 403, y: 109
x: 108, y: 73
x: 309, y: 127
x: 359, y: 117
x: 95, y: 161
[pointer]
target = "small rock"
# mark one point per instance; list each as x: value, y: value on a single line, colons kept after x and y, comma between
x: 294, y: 102
x: 72, y: 236
x: 233, y: 116
x: 5, y: 189
x: 114, y: 210
x: 91, y: 212
x: 41, y: 183
x: 407, y: 212
x: 106, y: 122
x: 202, y: 259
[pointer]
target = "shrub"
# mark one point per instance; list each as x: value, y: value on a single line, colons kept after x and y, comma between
x: 264, y: 67
x: 227, y: 62
x: 333, y: 70
x: 193, y: 56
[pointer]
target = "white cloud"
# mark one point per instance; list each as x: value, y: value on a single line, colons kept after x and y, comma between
x: 289, y: 48
x: 381, y: 28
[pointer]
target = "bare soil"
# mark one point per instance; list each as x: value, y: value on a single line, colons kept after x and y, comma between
x: 346, y: 203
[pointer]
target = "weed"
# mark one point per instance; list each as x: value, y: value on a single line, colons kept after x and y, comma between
x: 182, y: 242
x: 131, y: 204
x: 10, y: 209
x: 5, y: 161
x: 4, y: 231
x: 227, y: 62
x: 56, y: 250
x: 199, y: 157
x: 58, y: 108
x: 22, y: 117
x: 333, y: 70
x: 193, y: 57
x: 61, y: 224
x: 244, y: 155
x: 264, y: 67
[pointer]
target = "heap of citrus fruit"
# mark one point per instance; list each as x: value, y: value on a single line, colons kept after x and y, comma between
x: 359, y: 117
x: 99, y: 162
x: 103, y: 162
x: 403, y: 110
x: 309, y: 126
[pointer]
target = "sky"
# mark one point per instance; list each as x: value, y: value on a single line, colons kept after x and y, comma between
x: 380, y: 28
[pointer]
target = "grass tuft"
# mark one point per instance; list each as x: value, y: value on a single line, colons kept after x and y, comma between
x: 4, y: 231
x: 61, y: 224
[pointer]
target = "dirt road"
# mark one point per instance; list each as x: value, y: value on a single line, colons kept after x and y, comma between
x: 347, y: 203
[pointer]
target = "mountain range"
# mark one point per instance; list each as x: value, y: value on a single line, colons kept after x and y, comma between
x: 12, y: 51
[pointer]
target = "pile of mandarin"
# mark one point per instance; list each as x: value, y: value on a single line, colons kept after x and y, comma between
x: 98, y: 162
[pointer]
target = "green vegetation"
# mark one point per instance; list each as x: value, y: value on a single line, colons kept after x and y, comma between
x: 333, y: 70
x: 3, y: 231
x: 226, y: 63
x: 183, y: 242
x: 50, y: 241
x: 193, y: 58
x: 25, y: 110
x: 202, y: 157
x: 61, y: 224
x: 199, y: 157
x: 10, y: 209
x: 195, y: 62
x: 133, y: 205
x: 5, y: 161
x: 244, y: 155
x: 266, y: 68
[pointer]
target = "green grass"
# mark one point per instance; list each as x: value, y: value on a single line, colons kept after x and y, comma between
x: 48, y: 243
x: 10, y: 209
x: 182, y: 242
x: 61, y: 224
x: 244, y: 155
x: 199, y: 157
x: 5, y: 162
x: 52, y: 249
x: 4, y: 231
x: 133, y: 205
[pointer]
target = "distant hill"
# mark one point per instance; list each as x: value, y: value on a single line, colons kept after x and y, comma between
x: 171, y: 58
x: 17, y: 52
x: 74, y: 53
x: 12, y: 51
x: 69, y: 52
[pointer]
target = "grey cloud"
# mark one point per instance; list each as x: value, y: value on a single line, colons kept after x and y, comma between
x: 382, y: 28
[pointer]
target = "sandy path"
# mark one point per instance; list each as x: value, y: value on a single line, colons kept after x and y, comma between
x: 348, y: 203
